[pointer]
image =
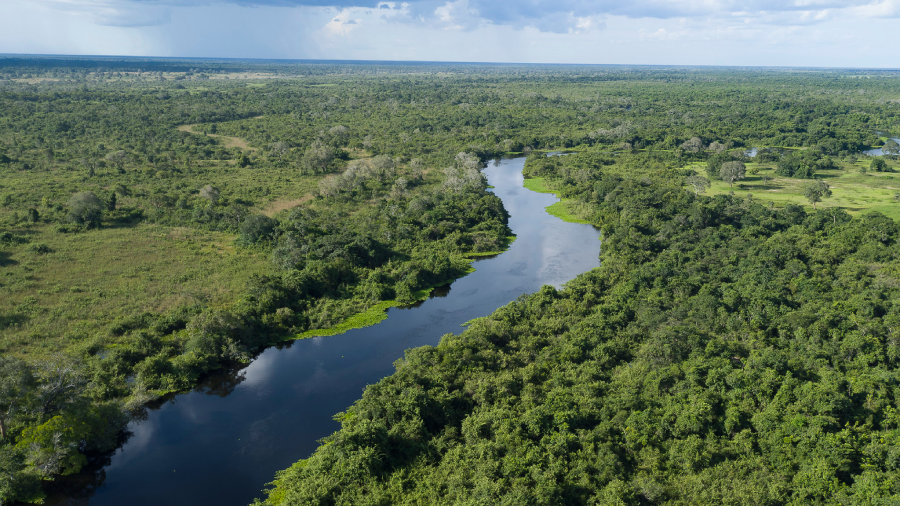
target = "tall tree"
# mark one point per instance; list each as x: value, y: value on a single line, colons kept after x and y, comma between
x: 732, y: 171
x: 317, y: 158
x: 61, y: 383
x: 692, y: 145
x: 86, y: 209
x: 816, y: 191
x: 16, y: 385
x: 210, y: 193
x: 117, y: 158
x: 891, y: 148
x: 698, y: 183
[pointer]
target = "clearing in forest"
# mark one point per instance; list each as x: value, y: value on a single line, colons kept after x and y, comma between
x: 228, y: 142
x: 851, y: 190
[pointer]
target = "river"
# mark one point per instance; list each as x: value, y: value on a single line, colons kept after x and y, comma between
x: 221, y: 443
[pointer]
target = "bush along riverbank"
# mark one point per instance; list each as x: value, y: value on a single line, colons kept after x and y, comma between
x: 377, y: 312
x: 723, y: 353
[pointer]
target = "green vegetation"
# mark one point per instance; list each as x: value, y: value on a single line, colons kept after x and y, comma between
x: 371, y: 316
x: 852, y: 191
x: 560, y: 209
x: 724, y: 353
x: 147, y: 254
x: 163, y: 218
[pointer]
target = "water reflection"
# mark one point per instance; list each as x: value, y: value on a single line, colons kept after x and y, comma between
x: 77, y: 489
x: 224, y: 382
x: 441, y: 291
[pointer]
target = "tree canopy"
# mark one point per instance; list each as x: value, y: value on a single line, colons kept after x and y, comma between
x: 723, y: 353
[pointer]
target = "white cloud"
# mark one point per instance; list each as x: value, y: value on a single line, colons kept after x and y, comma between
x: 458, y: 15
x: 557, y: 16
x: 661, y: 34
x: 342, y: 24
x: 760, y: 32
x: 883, y: 9
x: 588, y: 23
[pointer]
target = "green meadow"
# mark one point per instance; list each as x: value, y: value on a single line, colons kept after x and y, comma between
x: 851, y: 190
x: 62, y: 292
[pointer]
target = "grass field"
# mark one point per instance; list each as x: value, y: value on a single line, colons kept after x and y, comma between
x: 854, y: 192
x: 228, y: 142
x: 63, y: 291
x: 67, y: 297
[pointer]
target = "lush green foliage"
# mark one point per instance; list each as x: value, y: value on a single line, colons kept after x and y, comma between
x: 161, y: 218
x: 724, y: 353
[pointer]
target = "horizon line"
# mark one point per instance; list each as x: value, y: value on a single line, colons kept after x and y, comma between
x: 431, y: 62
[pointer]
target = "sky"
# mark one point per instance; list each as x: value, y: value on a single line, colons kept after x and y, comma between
x: 811, y: 33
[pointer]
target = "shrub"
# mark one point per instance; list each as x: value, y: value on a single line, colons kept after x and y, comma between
x: 257, y: 228
x: 39, y: 248
x: 879, y: 165
x: 85, y: 209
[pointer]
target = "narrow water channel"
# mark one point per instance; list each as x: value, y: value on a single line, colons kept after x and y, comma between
x: 221, y: 443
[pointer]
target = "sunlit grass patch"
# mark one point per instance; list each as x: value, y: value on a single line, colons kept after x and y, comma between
x: 570, y: 211
x: 538, y: 184
x: 68, y: 297
x: 373, y: 315
x: 852, y: 191
x: 566, y: 209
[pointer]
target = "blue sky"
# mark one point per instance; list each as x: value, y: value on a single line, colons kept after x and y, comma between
x: 834, y: 33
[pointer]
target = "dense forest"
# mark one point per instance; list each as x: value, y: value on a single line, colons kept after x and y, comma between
x: 162, y: 218
x: 724, y: 353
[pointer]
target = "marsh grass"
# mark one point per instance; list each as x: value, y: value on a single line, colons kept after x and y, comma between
x: 64, y: 291
x: 261, y: 186
x: 375, y: 314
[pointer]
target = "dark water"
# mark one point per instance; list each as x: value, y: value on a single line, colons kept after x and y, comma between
x: 220, y: 445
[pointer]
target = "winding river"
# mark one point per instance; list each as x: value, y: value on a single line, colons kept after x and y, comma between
x: 221, y: 443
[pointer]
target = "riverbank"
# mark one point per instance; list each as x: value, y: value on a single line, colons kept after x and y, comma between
x: 378, y: 312
x: 562, y: 209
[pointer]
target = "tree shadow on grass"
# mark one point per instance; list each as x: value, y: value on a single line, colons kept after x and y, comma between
x: 760, y: 187
x: 5, y: 260
x: 9, y: 320
x: 119, y: 224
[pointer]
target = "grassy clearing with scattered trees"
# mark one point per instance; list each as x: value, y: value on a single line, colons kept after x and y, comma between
x: 854, y: 190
